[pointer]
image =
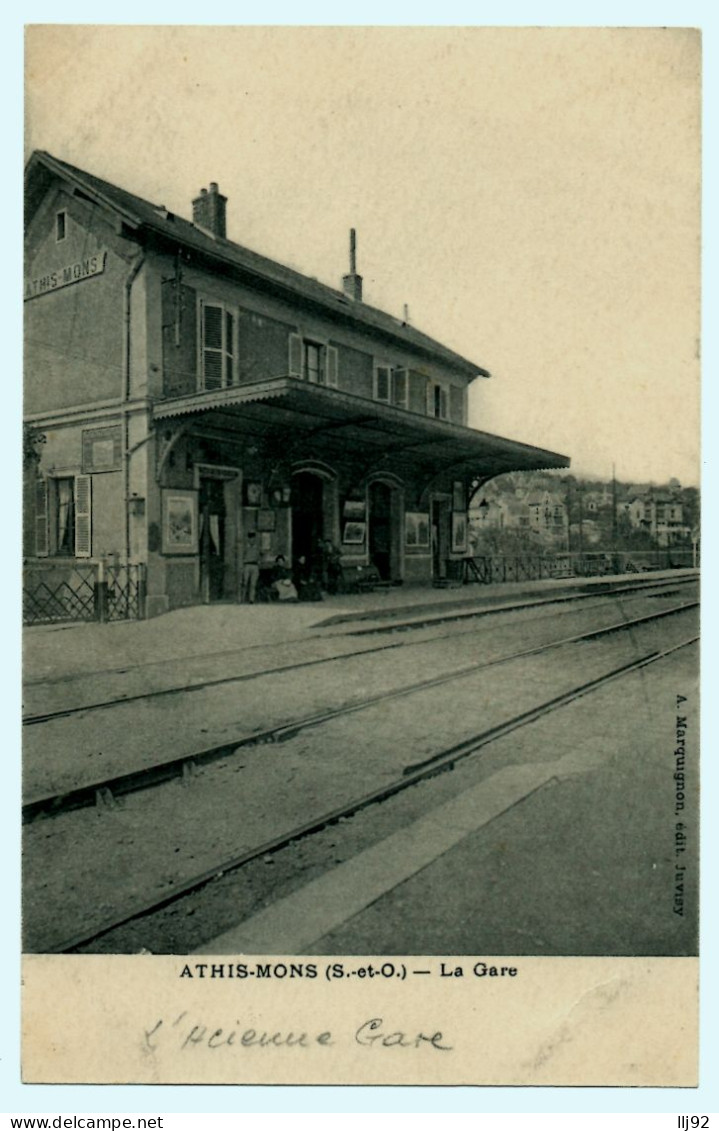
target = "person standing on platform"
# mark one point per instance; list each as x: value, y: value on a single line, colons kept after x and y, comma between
x: 333, y: 558
x: 250, y: 568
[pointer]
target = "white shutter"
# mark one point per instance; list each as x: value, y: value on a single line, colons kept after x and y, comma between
x: 400, y: 388
x: 83, y: 516
x: 41, y: 524
x: 229, y: 348
x: 332, y: 366
x: 295, y: 359
x: 430, y: 399
x: 212, y: 327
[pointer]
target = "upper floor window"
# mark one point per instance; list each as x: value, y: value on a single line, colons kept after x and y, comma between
x: 316, y: 362
x: 382, y: 383
x: 439, y: 401
x: 218, y: 348
x: 60, y: 226
x: 391, y: 385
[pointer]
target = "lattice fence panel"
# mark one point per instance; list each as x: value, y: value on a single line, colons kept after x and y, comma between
x: 69, y: 599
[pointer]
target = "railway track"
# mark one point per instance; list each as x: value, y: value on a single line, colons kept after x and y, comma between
x: 105, y: 790
x: 396, y: 626
x: 412, y: 774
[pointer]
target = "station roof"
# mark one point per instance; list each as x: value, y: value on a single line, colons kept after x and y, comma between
x: 356, y: 424
x: 171, y: 232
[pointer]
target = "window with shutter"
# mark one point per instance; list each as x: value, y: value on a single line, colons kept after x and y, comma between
x: 439, y: 402
x: 313, y: 361
x: 41, y: 517
x: 83, y: 516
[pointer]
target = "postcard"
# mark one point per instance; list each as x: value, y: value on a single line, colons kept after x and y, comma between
x: 361, y: 513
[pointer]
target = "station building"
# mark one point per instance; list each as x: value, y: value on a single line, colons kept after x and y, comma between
x: 184, y: 390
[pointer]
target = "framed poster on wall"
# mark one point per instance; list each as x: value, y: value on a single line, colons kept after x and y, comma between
x: 179, y: 522
x: 416, y: 527
x: 459, y: 533
x: 354, y: 533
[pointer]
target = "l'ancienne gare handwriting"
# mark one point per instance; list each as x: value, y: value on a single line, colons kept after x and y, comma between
x: 374, y: 1033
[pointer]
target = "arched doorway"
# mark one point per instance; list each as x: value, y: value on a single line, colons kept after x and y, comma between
x: 380, y: 528
x: 307, y: 517
x: 385, y: 527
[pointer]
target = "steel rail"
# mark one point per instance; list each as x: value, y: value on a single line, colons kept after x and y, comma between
x: 105, y: 790
x: 427, y: 622
x: 412, y: 775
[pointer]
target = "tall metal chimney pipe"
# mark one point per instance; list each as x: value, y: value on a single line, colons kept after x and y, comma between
x: 352, y: 283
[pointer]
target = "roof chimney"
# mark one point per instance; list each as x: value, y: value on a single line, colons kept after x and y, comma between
x: 209, y: 211
x: 352, y: 283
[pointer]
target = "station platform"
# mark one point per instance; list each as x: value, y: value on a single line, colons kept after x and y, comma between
x: 56, y: 652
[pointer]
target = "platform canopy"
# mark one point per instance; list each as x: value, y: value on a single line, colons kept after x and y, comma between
x: 348, y: 424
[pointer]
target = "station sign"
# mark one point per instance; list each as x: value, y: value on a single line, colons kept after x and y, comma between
x: 82, y: 269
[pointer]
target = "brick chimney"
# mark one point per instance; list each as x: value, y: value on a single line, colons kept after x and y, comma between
x: 352, y: 283
x: 208, y: 211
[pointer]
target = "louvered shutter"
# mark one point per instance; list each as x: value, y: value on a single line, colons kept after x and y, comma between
x: 332, y: 366
x: 295, y: 357
x: 400, y: 387
x: 212, y: 346
x: 229, y: 348
x: 83, y: 516
x: 41, y: 524
x: 443, y: 406
x: 456, y: 404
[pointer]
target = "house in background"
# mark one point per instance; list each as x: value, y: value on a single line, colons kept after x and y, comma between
x: 661, y: 516
x: 547, y: 517
x: 188, y: 391
x: 539, y: 517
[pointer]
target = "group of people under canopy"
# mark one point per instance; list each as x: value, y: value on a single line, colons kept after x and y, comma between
x: 308, y: 576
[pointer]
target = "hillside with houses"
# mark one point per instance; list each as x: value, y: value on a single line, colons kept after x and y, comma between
x: 546, y: 512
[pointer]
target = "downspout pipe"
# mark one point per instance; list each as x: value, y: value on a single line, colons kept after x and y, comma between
x: 126, y: 393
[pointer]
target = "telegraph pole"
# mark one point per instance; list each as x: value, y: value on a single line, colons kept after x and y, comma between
x: 614, y: 521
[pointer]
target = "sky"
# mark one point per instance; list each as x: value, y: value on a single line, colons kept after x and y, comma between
x: 531, y: 194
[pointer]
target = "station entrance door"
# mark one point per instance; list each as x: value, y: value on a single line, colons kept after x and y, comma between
x: 212, y: 539
x: 307, y: 518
